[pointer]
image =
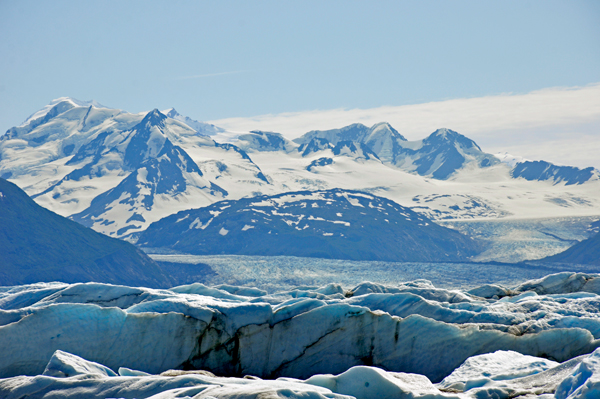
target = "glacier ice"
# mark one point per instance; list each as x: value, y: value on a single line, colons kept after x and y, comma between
x: 401, y: 340
x: 63, y: 364
x: 573, y: 379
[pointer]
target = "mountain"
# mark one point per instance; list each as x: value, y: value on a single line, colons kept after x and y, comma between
x: 376, y: 136
x: 440, y: 155
x: 316, y: 144
x: 264, y: 141
x: 156, y: 172
x: 542, y: 170
x: 200, y: 127
x: 39, y: 245
x: 586, y: 252
x: 339, y: 224
x: 46, y: 114
x: 118, y: 172
x: 382, y: 139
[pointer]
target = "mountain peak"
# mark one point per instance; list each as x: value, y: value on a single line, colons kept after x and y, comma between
x: 154, y: 117
x: 57, y: 107
x: 259, y: 140
x: 446, y: 136
x: 77, y: 103
x: 386, y: 129
x: 202, y: 128
x: 382, y: 125
x: 171, y: 112
x: 445, y: 133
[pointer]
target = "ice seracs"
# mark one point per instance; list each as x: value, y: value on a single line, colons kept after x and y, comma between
x: 327, y: 342
x: 414, y: 328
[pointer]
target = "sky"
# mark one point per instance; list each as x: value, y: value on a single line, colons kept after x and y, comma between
x: 517, y: 76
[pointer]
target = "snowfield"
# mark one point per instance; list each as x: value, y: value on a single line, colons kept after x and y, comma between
x: 411, y: 340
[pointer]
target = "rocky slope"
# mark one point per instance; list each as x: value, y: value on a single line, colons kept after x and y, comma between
x: 337, y: 223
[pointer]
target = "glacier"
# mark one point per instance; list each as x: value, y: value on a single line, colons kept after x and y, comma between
x: 412, y: 339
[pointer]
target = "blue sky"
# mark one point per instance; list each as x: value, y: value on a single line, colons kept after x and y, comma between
x: 227, y: 59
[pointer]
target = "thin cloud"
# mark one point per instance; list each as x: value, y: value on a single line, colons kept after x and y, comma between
x: 208, y: 75
x: 540, y: 124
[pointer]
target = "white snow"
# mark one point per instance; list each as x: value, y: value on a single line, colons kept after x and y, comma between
x: 197, y: 224
x: 509, y: 159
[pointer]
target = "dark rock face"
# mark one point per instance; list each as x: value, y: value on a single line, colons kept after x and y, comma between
x: 315, y: 145
x: 542, y: 170
x: 360, y: 150
x: 39, y: 245
x: 319, y: 162
x: 586, y: 252
x: 339, y: 224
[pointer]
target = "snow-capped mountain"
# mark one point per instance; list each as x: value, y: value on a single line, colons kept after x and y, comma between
x: 118, y: 172
x: 143, y: 167
x: 265, y: 141
x: 161, y: 172
x: 378, y: 136
x: 114, y: 171
x: 439, y: 156
x: 200, y: 127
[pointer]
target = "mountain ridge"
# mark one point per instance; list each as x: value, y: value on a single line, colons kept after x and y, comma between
x: 337, y: 223
x: 118, y: 172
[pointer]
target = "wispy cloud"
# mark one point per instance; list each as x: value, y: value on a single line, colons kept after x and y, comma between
x: 208, y: 75
x: 560, y: 124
